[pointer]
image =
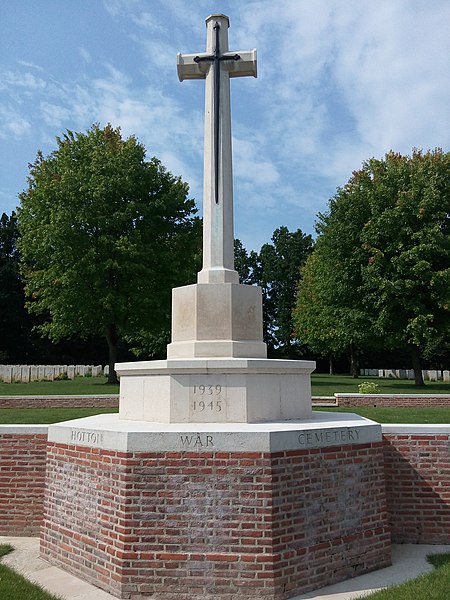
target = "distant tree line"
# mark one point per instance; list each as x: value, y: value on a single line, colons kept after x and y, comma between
x: 102, y: 235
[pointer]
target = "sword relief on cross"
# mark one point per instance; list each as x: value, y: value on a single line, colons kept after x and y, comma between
x: 216, y: 66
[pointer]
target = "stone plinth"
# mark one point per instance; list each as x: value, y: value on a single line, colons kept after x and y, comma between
x: 215, y: 511
x: 217, y: 320
x: 215, y: 390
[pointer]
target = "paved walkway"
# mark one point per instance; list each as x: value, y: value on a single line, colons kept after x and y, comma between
x: 409, y: 560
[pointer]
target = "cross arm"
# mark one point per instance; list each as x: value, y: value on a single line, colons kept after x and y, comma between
x: 238, y: 64
x: 246, y: 65
x: 189, y: 68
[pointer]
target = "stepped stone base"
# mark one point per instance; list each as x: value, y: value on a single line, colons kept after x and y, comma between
x: 215, y: 390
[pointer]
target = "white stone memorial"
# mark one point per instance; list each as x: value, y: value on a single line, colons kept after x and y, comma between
x: 217, y: 368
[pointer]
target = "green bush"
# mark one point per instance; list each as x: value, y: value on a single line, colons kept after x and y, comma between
x: 368, y: 387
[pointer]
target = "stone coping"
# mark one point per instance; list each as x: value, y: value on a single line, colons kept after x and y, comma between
x: 56, y: 396
x: 351, y: 395
x: 391, y: 428
x: 412, y: 429
x: 25, y: 429
x: 214, y: 365
x: 110, y: 433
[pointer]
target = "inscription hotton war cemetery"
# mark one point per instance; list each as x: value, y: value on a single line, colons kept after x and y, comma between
x: 216, y: 441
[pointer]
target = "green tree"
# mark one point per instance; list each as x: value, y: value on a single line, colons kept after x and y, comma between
x: 276, y: 268
x: 330, y: 315
x: 13, y: 316
x: 104, y: 236
x: 244, y: 263
x: 380, y: 273
x: 407, y: 271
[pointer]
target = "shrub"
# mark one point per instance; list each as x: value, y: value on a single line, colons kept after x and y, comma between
x: 368, y: 387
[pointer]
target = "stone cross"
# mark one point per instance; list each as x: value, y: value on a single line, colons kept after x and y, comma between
x: 216, y: 66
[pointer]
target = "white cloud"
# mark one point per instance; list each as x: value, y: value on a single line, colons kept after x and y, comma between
x: 12, y: 123
x: 30, y: 65
x: 119, y: 7
x: 12, y: 80
x: 346, y: 81
x: 160, y: 54
x: 147, y: 21
x: 54, y: 115
x: 85, y: 54
x: 250, y: 165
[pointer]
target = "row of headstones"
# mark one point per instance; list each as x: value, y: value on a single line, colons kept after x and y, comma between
x: 429, y: 374
x: 27, y: 373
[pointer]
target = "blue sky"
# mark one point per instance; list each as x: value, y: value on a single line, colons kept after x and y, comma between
x: 339, y: 81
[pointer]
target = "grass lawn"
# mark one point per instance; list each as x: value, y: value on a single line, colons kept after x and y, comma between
x: 322, y: 385
x: 328, y: 385
x: 71, y: 387
x: 430, y: 586
x: 15, y: 587
x: 44, y: 416
x: 397, y: 415
x: 381, y: 415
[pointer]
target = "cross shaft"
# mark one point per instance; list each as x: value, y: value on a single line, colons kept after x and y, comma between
x: 215, y: 60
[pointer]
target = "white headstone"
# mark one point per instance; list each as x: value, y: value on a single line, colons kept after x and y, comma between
x: 25, y: 374
x: 16, y: 373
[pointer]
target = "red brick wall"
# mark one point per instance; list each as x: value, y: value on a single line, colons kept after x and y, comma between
x: 59, y: 401
x: 185, y: 524
x: 329, y: 507
x: 394, y: 400
x: 22, y: 480
x: 417, y: 469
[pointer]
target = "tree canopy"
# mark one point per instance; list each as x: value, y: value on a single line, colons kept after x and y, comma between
x: 276, y: 268
x: 104, y: 236
x: 13, y: 317
x: 380, y: 272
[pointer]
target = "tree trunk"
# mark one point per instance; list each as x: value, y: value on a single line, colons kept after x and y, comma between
x: 330, y: 364
x: 354, y: 362
x: 417, y: 366
x: 113, y: 340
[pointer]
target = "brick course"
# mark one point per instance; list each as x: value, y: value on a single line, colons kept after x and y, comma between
x: 22, y: 482
x: 215, y: 525
x: 394, y: 400
x: 417, y: 469
x: 100, y: 401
